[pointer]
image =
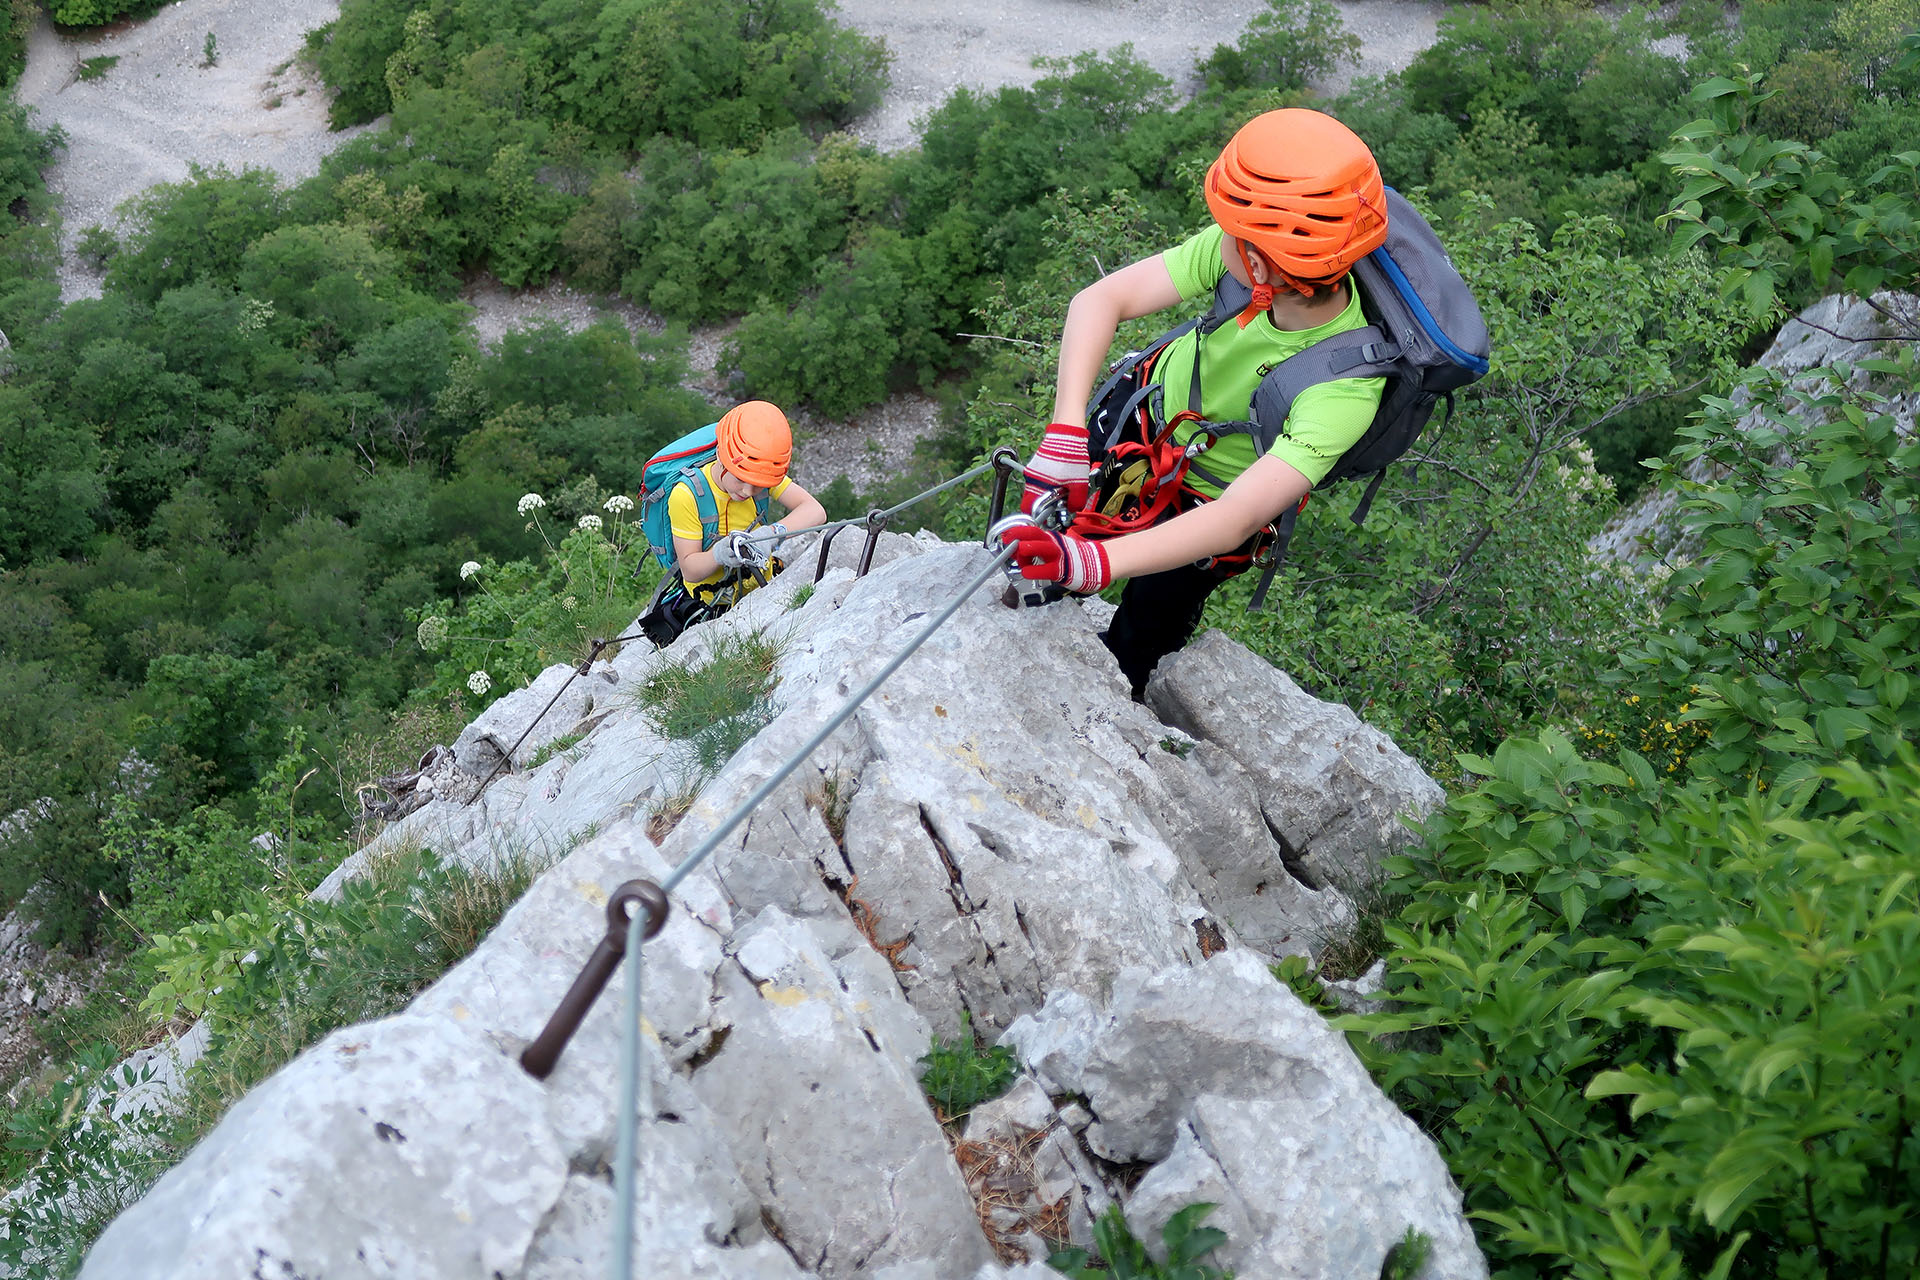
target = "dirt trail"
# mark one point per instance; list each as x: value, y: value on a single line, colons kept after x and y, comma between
x: 157, y: 109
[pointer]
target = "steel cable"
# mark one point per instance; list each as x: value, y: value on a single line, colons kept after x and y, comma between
x: 633, y: 1078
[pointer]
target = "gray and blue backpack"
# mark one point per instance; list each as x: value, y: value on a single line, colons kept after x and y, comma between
x: 1424, y: 334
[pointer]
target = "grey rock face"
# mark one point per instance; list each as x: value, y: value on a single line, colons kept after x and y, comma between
x: 1331, y: 788
x: 305, y: 1175
x: 1241, y: 1096
x: 998, y: 833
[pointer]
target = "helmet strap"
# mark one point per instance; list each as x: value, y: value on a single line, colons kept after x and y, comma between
x: 1263, y: 291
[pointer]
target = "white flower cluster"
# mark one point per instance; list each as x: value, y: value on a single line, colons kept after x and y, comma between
x: 431, y: 633
x: 570, y: 604
x: 254, y: 314
x: 479, y: 682
x: 588, y: 521
x: 1584, y: 476
x: 531, y: 502
x: 468, y: 569
x: 617, y: 503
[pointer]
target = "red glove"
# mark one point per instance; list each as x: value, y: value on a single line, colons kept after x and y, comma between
x: 1044, y: 556
x: 1060, y: 463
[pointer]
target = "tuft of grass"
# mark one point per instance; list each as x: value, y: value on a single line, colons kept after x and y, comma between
x: 1408, y: 1256
x: 801, y: 595
x: 961, y: 1073
x: 94, y: 68
x: 716, y: 706
x: 1352, y: 951
x: 832, y: 797
x: 560, y: 745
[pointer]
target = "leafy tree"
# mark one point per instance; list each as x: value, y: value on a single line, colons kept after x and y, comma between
x: 52, y: 492
x: 194, y: 232
x: 215, y: 712
x: 1776, y: 209
x: 1288, y: 45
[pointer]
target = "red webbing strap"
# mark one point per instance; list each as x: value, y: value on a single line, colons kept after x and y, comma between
x: 1159, y: 496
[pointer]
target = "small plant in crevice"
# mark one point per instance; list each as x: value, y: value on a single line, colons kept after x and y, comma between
x: 960, y: 1073
x: 801, y: 594
x: 1121, y: 1255
x: 94, y: 68
x: 209, y: 52
x: 1296, y: 973
x: 1407, y: 1257
x: 831, y: 798
x: 559, y: 746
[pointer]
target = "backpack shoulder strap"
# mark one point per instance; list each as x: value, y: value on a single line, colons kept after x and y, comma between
x: 1355, y: 353
x: 703, y: 504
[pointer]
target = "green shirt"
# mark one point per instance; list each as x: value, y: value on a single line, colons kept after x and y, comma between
x: 1325, y: 420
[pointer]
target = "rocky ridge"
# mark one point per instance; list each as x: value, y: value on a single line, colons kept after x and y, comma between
x: 999, y: 833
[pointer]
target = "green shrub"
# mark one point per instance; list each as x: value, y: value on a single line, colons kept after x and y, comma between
x: 718, y: 703
x: 960, y: 1074
x: 1288, y: 45
x: 1653, y: 1009
x: 1122, y: 1255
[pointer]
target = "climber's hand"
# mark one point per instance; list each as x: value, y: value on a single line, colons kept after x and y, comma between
x: 735, y: 552
x: 1044, y: 556
x: 1061, y: 463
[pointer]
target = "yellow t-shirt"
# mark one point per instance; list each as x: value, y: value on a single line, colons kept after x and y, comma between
x: 1325, y: 419
x: 683, y: 513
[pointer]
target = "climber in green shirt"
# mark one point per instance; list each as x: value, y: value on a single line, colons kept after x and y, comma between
x: 1297, y: 199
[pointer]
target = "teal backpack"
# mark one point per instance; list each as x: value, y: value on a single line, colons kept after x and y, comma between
x: 680, y: 462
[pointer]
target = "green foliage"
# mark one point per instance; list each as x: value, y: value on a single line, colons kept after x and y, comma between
x: 204, y: 957
x: 1776, y: 209
x: 719, y: 75
x: 15, y: 27
x: 1651, y: 1006
x: 182, y: 873
x: 215, y: 711
x: 85, y: 1169
x: 97, y: 68
x: 716, y: 703
x: 527, y: 615
x: 1798, y: 622
x: 1407, y: 1257
x: 1123, y: 1256
x: 1286, y: 46
x: 308, y: 968
x: 960, y: 1074
x: 195, y: 231
x: 210, y: 51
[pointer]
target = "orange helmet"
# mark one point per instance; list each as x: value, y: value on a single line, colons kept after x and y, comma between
x: 755, y: 443
x: 1303, y: 189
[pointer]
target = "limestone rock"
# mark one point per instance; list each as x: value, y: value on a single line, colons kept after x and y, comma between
x: 522, y: 722
x: 999, y: 832
x: 1244, y: 1097
x: 403, y: 1147
x: 1331, y: 787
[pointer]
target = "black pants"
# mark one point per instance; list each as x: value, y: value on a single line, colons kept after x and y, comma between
x: 1158, y: 614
